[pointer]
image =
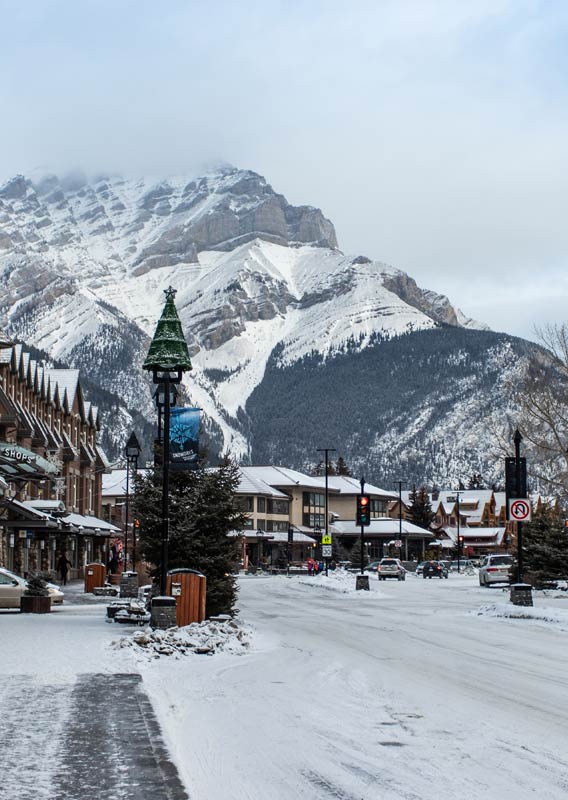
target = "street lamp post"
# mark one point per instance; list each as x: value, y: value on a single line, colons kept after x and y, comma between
x: 168, y: 358
x: 260, y: 546
x: 132, y: 451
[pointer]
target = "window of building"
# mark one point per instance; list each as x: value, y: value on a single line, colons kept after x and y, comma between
x: 261, y: 504
x: 245, y: 503
x: 278, y: 506
x: 261, y: 523
x: 378, y: 508
x: 313, y: 509
x: 248, y: 524
x: 276, y: 525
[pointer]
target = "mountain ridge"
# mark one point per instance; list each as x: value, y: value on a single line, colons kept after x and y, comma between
x: 83, y: 266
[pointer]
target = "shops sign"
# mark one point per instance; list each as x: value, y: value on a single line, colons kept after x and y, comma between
x: 16, y: 455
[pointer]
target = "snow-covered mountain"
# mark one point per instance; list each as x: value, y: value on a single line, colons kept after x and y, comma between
x: 83, y: 264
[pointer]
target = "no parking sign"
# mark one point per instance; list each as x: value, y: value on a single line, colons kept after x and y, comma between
x: 520, y: 510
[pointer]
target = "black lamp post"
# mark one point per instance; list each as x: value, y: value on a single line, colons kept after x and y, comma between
x: 260, y: 546
x: 132, y: 451
x: 168, y: 358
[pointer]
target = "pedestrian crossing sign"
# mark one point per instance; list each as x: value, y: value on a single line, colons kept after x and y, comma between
x: 326, y: 539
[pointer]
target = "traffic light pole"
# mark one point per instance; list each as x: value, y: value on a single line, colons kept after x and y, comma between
x: 326, y: 450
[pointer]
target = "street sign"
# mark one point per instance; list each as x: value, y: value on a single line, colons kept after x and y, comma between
x: 511, y: 488
x: 326, y: 539
x: 326, y: 550
x: 520, y: 510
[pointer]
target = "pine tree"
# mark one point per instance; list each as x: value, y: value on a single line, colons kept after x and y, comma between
x: 341, y: 467
x: 318, y: 470
x: 476, y: 481
x: 202, y: 512
x: 355, y: 555
x: 37, y: 585
x: 545, y: 547
x: 420, y: 510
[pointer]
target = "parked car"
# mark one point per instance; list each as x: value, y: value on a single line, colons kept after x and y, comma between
x: 391, y: 568
x: 495, y: 569
x: 10, y: 591
x: 372, y: 566
x: 434, y: 569
x: 54, y: 591
x: 465, y: 565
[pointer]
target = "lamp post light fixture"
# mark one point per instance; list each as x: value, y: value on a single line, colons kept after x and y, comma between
x: 132, y: 452
x: 168, y: 358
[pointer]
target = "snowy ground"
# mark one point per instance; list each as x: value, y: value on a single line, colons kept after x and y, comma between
x: 420, y: 689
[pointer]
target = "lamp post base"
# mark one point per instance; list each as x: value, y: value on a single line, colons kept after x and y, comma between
x: 362, y: 582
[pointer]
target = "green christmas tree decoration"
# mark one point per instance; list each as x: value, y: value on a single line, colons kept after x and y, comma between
x: 168, y: 350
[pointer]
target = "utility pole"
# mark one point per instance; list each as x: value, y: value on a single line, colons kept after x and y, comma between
x: 326, y: 450
x: 400, y: 521
x: 362, y: 530
x: 458, y: 513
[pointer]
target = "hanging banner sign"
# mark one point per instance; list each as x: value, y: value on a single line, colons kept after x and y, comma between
x: 184, y: 438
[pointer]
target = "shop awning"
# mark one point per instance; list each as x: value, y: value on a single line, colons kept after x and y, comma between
x: 17, y: 462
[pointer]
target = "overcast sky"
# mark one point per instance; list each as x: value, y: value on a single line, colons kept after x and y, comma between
x: 433, y: 133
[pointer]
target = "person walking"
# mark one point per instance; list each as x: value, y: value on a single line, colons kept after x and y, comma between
x: 63, y: 565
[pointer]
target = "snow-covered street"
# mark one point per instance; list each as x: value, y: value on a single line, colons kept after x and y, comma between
x: 416, y: 690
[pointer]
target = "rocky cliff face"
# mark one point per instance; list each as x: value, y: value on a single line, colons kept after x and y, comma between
x: 83, y: 265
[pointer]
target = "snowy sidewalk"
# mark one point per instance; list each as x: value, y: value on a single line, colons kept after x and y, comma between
x: 97, y: 738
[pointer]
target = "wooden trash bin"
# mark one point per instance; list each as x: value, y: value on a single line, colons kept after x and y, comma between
x: 188, y: 587
x: 95, y: 575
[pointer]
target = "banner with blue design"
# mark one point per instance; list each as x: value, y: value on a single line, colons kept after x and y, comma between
x: 184, y: 437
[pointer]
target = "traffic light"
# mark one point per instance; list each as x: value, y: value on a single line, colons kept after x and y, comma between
x: 363, y: 509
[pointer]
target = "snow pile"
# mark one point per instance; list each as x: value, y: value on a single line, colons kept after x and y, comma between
x: 549, y: 616
x: 199, y: 638
x: 339, y: 580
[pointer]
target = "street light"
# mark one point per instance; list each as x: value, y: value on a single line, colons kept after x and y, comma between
x: 168, y: 358
x: 132, y: 451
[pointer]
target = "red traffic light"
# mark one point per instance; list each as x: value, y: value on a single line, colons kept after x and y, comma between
x: 363, y: 509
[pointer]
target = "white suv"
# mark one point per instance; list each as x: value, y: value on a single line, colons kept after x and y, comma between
x: 495, y: 569
x: 391, y: 568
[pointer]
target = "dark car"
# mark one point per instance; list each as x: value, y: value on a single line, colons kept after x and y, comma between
x: 434, y: 569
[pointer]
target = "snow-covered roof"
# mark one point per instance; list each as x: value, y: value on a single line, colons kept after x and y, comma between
x: 114, y: 482
x: 45, y: 505
x: 282, y: 476
x: 495, y: 534
x: 89, y: 523
x: 67, y: 381
x: 381, y: 526
x: 249, y: 483
x: 348, y: 485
